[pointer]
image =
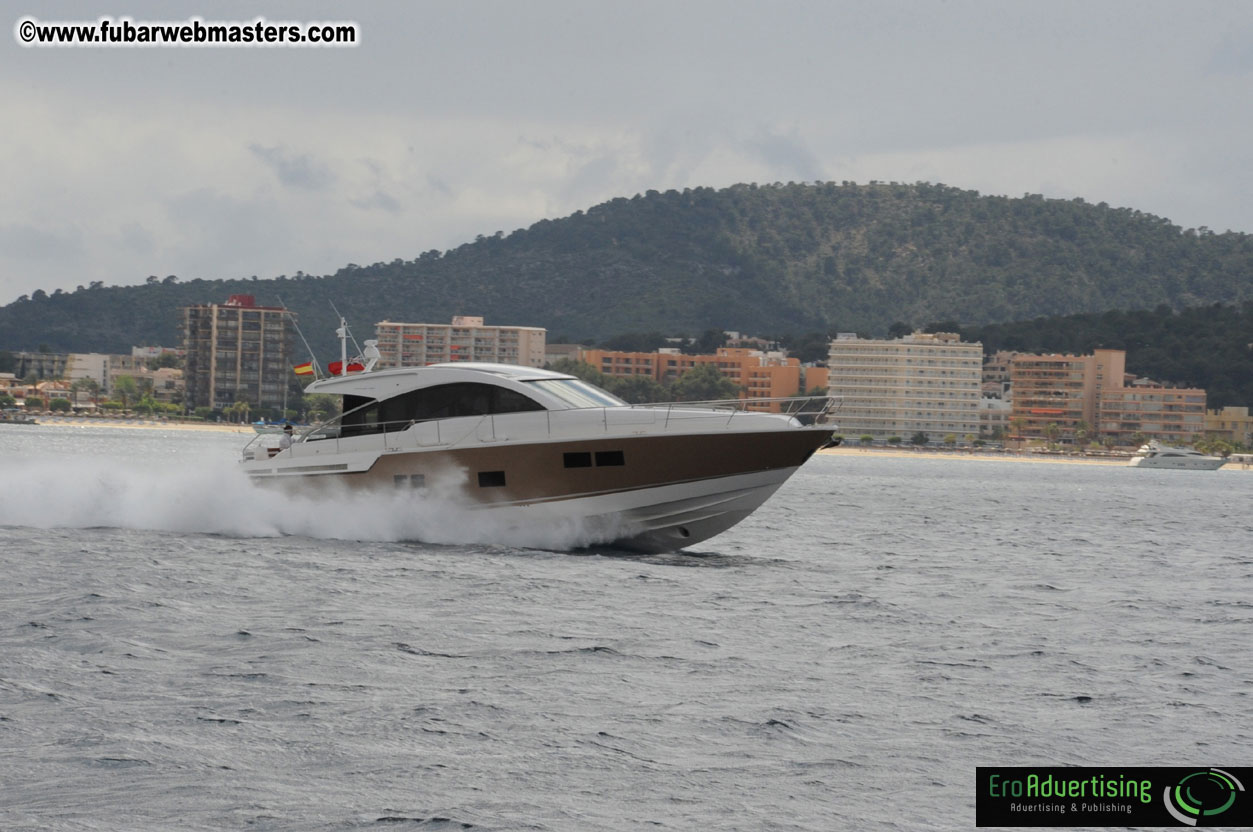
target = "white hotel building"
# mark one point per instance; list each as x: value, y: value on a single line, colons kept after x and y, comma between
x: 465, y: 339
x: 921, y: 382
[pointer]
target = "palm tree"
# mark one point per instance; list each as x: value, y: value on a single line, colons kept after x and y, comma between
x: 125, y: 387
x: 240, y: 409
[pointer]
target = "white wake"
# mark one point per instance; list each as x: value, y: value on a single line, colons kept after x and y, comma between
x: 213, y: 497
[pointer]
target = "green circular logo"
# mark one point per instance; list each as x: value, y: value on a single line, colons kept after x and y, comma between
x: 1199, y: 798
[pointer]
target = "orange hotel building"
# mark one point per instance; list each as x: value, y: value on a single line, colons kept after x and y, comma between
x: 763, y: 376
x: 1068, y: 389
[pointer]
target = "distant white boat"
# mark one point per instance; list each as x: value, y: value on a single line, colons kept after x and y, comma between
x: 1155, y: 455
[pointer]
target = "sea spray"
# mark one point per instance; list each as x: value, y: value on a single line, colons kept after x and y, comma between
x: 212, y: 496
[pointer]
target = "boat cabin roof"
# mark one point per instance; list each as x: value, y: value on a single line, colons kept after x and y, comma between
x: 386, y: 383
x: 553, y: 391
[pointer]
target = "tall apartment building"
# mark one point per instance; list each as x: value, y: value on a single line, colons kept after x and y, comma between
x: 465, y: 339
x: 760, y: 374
x: 236, y: 351
x: 920, y: 383
x: 1092, y: 392
x: 1064, y: 390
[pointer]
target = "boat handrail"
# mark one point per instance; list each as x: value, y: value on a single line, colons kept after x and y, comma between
x: 807, y: 410
x: 818, y: 405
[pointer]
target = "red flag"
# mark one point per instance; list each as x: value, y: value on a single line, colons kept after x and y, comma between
x: 336, y: 367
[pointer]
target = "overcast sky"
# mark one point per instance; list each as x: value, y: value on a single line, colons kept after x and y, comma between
x: 453, y: 119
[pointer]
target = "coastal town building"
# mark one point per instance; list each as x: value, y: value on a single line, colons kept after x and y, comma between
x: 996, y: 381
x: 236, y: 351
x: 89, y: 365
x: 149, y: 353
x: 1060, y: 394
x: 41, y: 365
x: 926, y: 383
x: 1076, y: 397
x: 562, y: 352
x: 815, y: 378
x: 760, y: 375
x: 164, y: 383
x: 1231, y: 423
x: 994, y: 414
x: 467, y: 338
x: 1171, y: 414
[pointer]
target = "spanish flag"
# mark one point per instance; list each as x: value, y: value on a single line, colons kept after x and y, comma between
x: 305, y: 369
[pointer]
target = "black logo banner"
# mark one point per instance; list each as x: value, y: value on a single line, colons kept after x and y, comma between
x: 1114, y: 796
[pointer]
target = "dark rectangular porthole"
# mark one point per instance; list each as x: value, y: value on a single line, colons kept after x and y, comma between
x: 578, y: 459
x: 491, y: 479
x: 605, y: 458
x: 410, y: 480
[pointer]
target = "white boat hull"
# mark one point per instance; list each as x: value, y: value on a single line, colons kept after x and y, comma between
x: 1178, y: 463
x: 662, y: 518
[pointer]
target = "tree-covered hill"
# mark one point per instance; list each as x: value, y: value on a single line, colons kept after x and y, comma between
x: 775, y: 258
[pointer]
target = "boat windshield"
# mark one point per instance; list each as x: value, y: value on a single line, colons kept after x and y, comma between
x: 576, y: 393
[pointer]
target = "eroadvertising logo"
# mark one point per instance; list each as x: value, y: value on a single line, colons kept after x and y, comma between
x: 1113, y: 796
x: 1203, y: 798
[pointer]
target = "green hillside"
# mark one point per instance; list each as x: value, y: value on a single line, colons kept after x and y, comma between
x: 776, y: 259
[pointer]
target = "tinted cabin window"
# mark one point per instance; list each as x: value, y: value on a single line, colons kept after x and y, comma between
x: 578, y: 459
x: 491, y: 479
x: 361, y: 421
x: 604, y: 458
x: 445, y: 401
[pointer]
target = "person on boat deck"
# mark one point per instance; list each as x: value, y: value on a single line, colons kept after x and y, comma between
x: 285, y: 442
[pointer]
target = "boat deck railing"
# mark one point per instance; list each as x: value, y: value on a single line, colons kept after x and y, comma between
x: 446, y: 431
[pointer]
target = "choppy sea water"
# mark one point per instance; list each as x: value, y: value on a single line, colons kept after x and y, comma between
x: 178, y: 651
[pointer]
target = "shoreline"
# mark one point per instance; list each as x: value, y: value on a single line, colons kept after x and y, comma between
x: 974, y: 456
x: 138, y: 424
x: 992, y: 456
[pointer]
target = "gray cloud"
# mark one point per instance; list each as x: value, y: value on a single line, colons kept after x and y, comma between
x: 136, y: 238
x: 788, y: 155
x: 294, y: 170
x: 27, y: 242
x: 377, y: 201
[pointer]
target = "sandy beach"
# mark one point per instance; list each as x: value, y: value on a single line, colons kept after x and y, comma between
x: 973, y: 456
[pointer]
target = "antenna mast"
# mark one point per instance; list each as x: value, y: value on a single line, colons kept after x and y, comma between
x: 343, y: 322
x: 316, y: 373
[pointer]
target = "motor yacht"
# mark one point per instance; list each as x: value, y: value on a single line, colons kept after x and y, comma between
x: 547, y: 445
x: 1155, y: 455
